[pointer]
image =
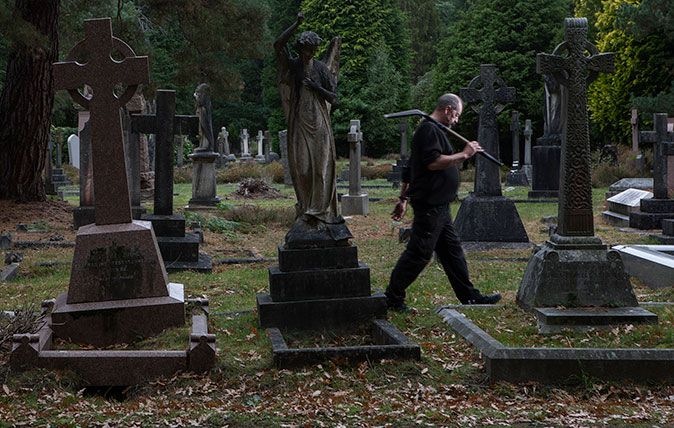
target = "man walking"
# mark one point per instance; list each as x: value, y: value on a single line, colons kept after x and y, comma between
x: 430, y: 183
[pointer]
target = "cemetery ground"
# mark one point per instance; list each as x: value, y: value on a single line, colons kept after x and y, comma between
x: 447, y: 387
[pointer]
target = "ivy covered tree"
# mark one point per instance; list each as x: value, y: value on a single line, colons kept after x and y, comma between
x: 366, y: 27
x: 643, y: 68
x: 508, y: 34
x: 423, y: 21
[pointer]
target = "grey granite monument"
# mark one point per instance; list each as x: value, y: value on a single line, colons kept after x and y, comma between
x: 260, y: 157
x: 574, y: 269
x: 516, y: 176
x: 245, y: 146
x: 486, y: 215
x: 356, y: 202
x: 660, y: 207
x: 179, y: 250
x: 204, y: 187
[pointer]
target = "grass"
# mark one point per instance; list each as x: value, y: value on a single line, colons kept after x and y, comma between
x: 447, y: 387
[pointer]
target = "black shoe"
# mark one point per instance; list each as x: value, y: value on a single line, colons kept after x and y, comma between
x: 400, y: 307
x: 489, y: 299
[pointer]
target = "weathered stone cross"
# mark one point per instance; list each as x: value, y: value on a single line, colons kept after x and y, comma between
x: 493, y: 95
x: 103, y: 73
x: 663, y: 146
x: 165, y: 125
x: 575, y: 71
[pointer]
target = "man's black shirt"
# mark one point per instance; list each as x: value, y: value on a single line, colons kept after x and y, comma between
x: 426, y: 187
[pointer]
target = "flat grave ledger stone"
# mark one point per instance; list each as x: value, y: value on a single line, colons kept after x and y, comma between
x: 483, y: 214
x: 620, y: 206
x: 660, y: 207
x: 629, y: 183
x: 652, y: 264
x: 573, y: 269
x: 179, y: 250
x: 517, y: 176
x: 118, y: 290
x: 356, y: 202
x: 74, y: 150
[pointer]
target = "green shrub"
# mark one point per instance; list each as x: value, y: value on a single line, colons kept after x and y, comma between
x: 182, y: 174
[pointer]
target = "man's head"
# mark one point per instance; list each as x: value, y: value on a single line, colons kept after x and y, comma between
x: 449, y: 108
x: 307, y: 44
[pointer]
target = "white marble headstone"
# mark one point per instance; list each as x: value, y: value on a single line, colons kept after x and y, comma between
x: 74, y: 150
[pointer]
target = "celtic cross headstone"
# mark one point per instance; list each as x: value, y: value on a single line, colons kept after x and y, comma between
x: 489, y: 90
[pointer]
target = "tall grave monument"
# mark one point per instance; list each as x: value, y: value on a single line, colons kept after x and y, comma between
x: 356, y: 202
x: 260, y: 157
x: 204, y: 187
x: 526, y: 167
x: 653, y: 211
x: 486, y: 215
x: 516, y: 176
x: 118, y: 289
x: 319, y: 282
x: 546, y: 155
x: 179, y: 250
x: 574, y: 269
x: 245, y: 146
x: 395, y: 176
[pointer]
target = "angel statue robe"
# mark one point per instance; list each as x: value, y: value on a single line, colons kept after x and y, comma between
x: 311, y: 145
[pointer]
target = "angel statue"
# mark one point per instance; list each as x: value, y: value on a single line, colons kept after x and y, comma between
x: 204, y: 109
x: 308, y: 89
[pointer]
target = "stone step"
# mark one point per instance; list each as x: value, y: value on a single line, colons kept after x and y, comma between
x: 183, y: 249
x: 646, y: 221
x: 553, y: 320
x: 291, y: 260
x: 319, y: 284
x: 324, y: 313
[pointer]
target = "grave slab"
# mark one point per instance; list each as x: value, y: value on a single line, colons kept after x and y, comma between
x: 622, y: 205
x: 652, y: 264
x: 554, y: 320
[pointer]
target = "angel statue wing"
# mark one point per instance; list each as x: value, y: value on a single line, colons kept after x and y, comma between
x: 331, y: 58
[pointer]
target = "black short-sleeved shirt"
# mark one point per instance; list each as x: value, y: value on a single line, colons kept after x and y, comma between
x: 428, y: 187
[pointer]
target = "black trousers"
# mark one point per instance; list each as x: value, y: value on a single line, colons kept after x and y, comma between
x: 432, y: 230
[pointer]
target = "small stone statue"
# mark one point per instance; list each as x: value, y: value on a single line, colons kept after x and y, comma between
x: 204, y: 110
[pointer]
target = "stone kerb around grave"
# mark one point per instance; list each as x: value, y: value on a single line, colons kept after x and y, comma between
x: 119, y: 290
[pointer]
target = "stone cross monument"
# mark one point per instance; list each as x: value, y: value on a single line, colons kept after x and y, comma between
x: 118, y: 284
x: 482, y: 215
x: 489, y: 90
x: 226, y: 152
x: 653, y: 211
x: 260, y: 149
x: 573, y: 268
x: 528, y: 132
x: 245, y: 150
x: 356, y: 202
x: 516, y: 176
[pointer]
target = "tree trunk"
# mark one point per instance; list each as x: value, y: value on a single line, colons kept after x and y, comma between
x: 26, y: 104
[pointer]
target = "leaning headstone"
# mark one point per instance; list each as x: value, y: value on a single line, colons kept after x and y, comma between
x: 516, y: 176
x: 119, y: 290
x: 204, y: 186
x: 622, y: 205
x: 283, y: 144
x: 573, y: 269
x: 356, y: 202
x: 179, y: 250
x: 660, y: 207
x: 260, y: 158
x: 74, y: 150
x: 395, y: 176
x: 483, y: 214
x: 245, y: 149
